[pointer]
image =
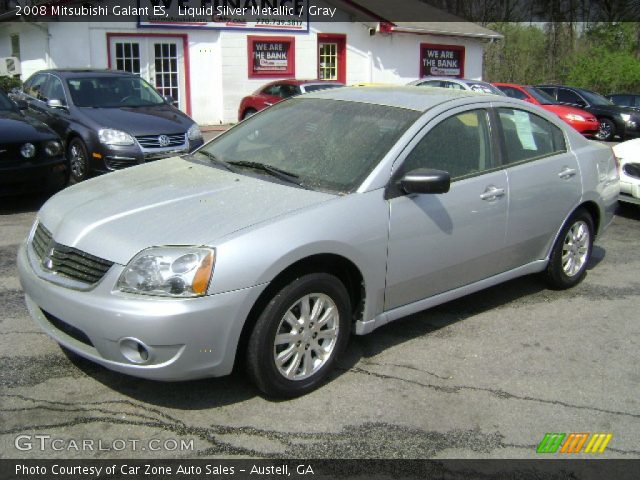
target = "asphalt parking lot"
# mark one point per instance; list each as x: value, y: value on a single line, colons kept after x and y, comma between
x: 482, y: 377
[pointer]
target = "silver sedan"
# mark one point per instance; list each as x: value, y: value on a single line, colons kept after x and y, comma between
x: 326, y: 215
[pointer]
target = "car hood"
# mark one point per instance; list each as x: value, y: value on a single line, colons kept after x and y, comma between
x: 17, y: 128
x: 168, y: 202
x: 613, y: 109
x: 154, y: 120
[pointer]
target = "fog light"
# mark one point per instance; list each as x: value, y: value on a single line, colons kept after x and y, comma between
x: 28, y: 150
x: 134, y: 350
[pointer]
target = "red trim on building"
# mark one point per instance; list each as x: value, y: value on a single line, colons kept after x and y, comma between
x: 291, y: 56
x: 185, y: 56
x: 341, y: 40
x: 458, y: 48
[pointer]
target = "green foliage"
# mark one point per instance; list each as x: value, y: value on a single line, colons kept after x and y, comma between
x: 603, y: 57
x: 7, y: 83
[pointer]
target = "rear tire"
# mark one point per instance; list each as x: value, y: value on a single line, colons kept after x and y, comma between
x: 571, y: 252
x: 299, y: 336
x: 249, y: 112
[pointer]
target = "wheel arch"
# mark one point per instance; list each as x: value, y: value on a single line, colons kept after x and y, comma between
x: 592, y: 209
x: 337, y: 265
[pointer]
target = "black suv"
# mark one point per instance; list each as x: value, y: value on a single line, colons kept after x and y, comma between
x: 108, y: 120
x: 614, y: 120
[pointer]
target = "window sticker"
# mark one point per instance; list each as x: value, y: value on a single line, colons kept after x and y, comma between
x: 523, y: 129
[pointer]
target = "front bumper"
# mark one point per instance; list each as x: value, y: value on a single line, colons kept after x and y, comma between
x: 629, y: 187
x: 24, y: 176
x: 185, y: 338
x: 587, y: 128
x: 107, y: 158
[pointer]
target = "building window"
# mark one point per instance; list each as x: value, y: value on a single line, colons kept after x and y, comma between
x: 328, y: 54
x: 128, y: 57
x: 271, y: 56
x: 15, y: 46
x: 166, y: 63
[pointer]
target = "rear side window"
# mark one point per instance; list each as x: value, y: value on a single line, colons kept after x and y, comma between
x: 513, y: 93
x: 528, y: 136
x: 459, y: 145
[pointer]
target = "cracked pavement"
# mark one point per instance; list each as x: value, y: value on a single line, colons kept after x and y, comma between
x: 481, y: 377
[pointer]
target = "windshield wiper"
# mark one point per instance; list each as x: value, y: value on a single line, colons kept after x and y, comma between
x: 214, y: 159
x: 271, y: 170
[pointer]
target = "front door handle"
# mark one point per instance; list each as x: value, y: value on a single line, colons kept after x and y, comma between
x: 268, y: 104
x: 492, y: 193
x: 567, y: 173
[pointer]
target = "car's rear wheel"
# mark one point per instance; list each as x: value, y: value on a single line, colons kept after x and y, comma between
x: 248, y: 113
x: 606, y: 130
x: 78, y: 160
x: 571, y: 252
x: 299, y: 335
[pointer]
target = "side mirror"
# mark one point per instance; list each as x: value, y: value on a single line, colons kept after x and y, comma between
x: 426, y: 180
x: 169, y: 99
x: 54, y: 103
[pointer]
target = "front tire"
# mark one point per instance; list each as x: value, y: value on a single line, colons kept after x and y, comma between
x: 571, y: 252
x: 606, y: 130
x: 78, y: 160
x: 249, y: 112
x: 299, y: 335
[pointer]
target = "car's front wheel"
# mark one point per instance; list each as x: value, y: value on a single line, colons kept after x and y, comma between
x: 249, y: 112
x: 78, y: 160
x: 571, y: 252
x: 606, y: 130
x: 299, y: 335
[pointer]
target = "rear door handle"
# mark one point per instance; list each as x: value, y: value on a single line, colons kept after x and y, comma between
x: 492, y: 193
x: 567, y: 173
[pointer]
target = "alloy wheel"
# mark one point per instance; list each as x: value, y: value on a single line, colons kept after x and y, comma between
x: 575, y: 249
x: 306, y: 336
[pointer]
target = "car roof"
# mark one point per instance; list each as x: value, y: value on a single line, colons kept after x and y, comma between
x: 85, y: 72
x: 419, y: 99
x: 296, y: 81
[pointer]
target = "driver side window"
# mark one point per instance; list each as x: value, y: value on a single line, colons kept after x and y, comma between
x: 460, y: 145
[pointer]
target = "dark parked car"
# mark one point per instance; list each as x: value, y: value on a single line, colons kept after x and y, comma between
x: 278, y: 91
x: 107, y: 120
x: 625, y: 99
x: 31, y: 156
x: 615, y: 120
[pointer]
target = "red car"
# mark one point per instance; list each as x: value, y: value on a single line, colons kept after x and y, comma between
x: 582, y: 121
x: 277, y: 91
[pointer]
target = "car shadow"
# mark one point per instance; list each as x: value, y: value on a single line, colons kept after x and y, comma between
x: 628, y: 210
x: 22, y: 203
x: 187, y: 395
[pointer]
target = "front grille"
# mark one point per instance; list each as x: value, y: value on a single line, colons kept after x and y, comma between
x: 70, y: 330
x: 154, y: 141
x: 632, y: 169
x: 118, y: 163
x: 67, y: 261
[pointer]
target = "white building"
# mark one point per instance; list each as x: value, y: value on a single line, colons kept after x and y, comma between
x: 208, y: 69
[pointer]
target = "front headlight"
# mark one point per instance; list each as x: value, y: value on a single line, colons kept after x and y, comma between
x: 625, y: 117
x: 109, y: 136
x: 194, y: 132
x: 169, y: 272
x: 53, y: 148
x: 575, y: 117
x: 28, y: 150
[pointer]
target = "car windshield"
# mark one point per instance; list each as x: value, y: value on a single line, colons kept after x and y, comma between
x: 542, y: 97
x: 328, y: 145
x: 5, y: 103
x: 323, y: 86
x: 112, y: 92
x: 595, y: 98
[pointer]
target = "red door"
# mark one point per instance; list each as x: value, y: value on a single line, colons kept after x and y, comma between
x: 332, y: 57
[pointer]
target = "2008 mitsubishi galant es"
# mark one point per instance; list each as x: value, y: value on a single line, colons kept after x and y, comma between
x: 328, y: 214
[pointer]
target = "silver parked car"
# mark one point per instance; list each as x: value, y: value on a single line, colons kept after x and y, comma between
x: 457, y: 84
x: 328, y: 214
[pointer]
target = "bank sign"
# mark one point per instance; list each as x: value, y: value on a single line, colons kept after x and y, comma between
x: 255, y: 15
x: 441, y: 60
